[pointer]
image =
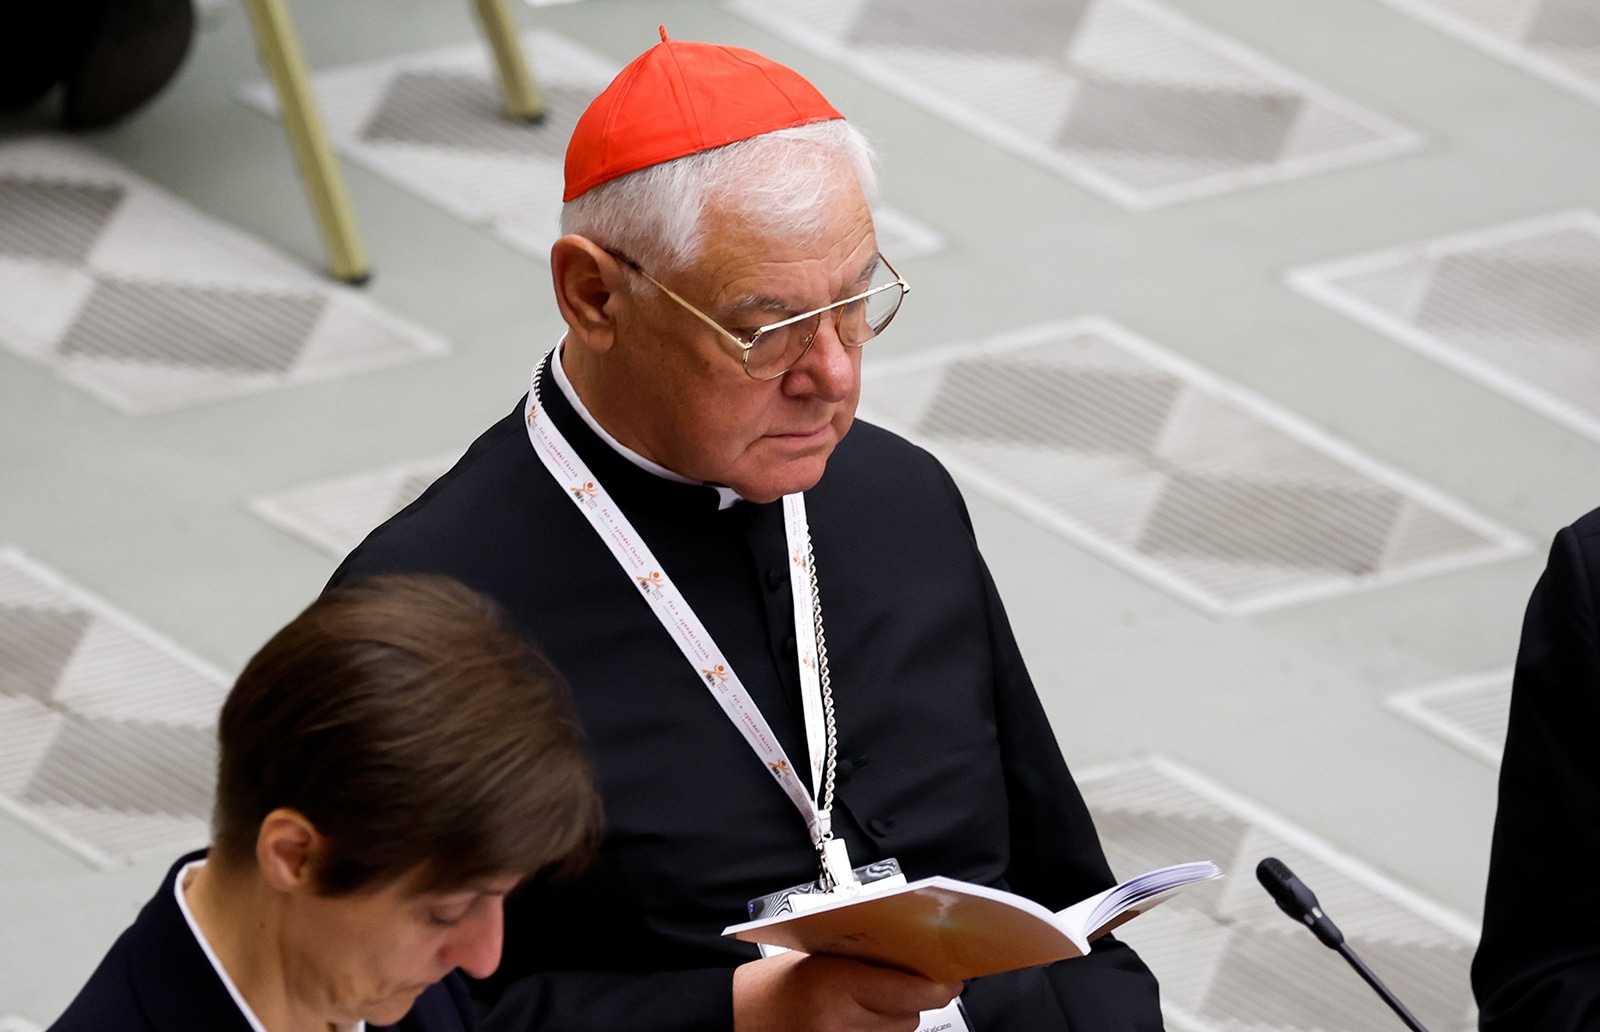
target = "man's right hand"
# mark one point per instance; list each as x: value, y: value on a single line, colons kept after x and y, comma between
x: 794, y: 992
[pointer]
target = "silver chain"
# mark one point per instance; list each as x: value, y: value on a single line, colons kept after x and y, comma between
x: 831, y: 879
x: 832, y: 761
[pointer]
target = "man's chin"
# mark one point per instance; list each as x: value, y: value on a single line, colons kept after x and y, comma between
x: 792, y: 478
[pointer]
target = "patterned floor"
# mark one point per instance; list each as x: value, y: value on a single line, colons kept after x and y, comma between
x: 141, y: 300
x: 431, y: 122
x: 1468, y: 712
x: 1115, y: 157
x: 1516, y: 307
x: 106, y: 728
x: 1228, y: 959
x: 1556, y: 39
x: 1126, y: 97
x: 1217, y: 496
x: 334, y: 515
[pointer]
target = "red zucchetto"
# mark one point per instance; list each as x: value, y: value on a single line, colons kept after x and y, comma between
x: 682, y: 98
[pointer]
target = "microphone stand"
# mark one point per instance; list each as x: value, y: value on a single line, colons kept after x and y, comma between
x: 1378, y: 987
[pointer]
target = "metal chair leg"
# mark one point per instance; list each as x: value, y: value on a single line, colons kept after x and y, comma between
x: 302, y: 123
x: 522, y: 100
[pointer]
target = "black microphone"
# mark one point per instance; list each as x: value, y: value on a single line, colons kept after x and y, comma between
x: 1299, y: 902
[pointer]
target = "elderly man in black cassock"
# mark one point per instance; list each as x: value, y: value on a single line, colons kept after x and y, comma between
x: 786, y: 650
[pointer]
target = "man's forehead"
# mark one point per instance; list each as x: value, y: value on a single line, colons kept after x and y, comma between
x: 746, y: 293
x: 749, y: 264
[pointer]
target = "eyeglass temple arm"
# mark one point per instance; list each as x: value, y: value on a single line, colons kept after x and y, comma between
x: 703, y: 317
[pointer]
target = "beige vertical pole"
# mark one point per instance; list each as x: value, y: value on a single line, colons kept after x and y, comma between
x: 302, y: 123
x: 522, y: 100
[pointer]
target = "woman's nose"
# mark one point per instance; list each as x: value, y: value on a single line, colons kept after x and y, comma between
x: 475, y: 948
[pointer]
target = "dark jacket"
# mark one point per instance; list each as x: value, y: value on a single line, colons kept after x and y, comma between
x: 156, y: 978
x: 947, y: 759
x: 1538, y: 965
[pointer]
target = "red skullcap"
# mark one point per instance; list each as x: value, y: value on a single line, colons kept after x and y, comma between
x: 683, y: 98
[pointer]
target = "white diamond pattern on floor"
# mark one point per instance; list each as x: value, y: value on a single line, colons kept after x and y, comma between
x: 1515, y: 307
x: 1125, y: 97
x: 1558, y: 40
x: 146, y: 303
x: 335, y: 515
x: 1467, y: 712
x: 107, y: 737
x: 431, y: 122
x: 1227, y: 958
x: 1205, y: 490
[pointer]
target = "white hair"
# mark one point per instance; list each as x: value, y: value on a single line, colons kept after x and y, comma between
x: 783, y: 181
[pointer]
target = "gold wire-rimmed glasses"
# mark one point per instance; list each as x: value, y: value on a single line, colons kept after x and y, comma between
x: 774, y: 349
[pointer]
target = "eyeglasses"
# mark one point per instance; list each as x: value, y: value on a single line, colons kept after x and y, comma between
x: 772, y: 350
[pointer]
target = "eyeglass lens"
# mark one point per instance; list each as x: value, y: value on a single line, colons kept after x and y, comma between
x: 775, y: 351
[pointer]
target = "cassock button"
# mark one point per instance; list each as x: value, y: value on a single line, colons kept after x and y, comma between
x: 850, y: 765
x: 790, y: 649
x: 776, y: 579
x: 880, y: 826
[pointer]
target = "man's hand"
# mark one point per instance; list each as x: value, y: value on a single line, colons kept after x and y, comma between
x: 793, y: 992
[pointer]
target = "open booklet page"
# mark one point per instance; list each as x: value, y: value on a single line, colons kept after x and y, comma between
x: 1100, y: 913
x: 950, y: 930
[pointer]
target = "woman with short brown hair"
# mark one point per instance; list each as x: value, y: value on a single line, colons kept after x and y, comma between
x: 392, y: 763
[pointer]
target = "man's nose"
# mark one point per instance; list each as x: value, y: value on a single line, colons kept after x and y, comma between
x: 828, y: 370
x: 475, y: 948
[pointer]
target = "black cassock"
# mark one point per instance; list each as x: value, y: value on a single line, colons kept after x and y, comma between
x: 156, y: 978
x: 1538, y: 965
x: 947, y: 759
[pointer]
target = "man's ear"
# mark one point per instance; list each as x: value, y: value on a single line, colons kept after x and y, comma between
x: 587, y: 283
x: 288, y: 849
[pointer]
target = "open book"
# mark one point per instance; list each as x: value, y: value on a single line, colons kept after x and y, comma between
x: 950, y: 930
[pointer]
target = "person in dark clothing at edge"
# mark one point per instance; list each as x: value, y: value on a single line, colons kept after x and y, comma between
x: 391, y: 764
x: 1538, y: 963
x: 787, y: 653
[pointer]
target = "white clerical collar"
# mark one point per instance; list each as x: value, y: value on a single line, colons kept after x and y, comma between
x: 211, y: 955
x: 726, y: 496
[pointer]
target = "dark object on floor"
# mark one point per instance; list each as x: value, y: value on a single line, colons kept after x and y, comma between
x: 109, y: 56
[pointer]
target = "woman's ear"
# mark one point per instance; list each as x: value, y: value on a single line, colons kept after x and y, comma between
x: 587, y: 281
x: 288, y: 851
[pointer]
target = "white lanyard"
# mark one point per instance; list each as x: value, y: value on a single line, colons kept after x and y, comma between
x: 696, y: 644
